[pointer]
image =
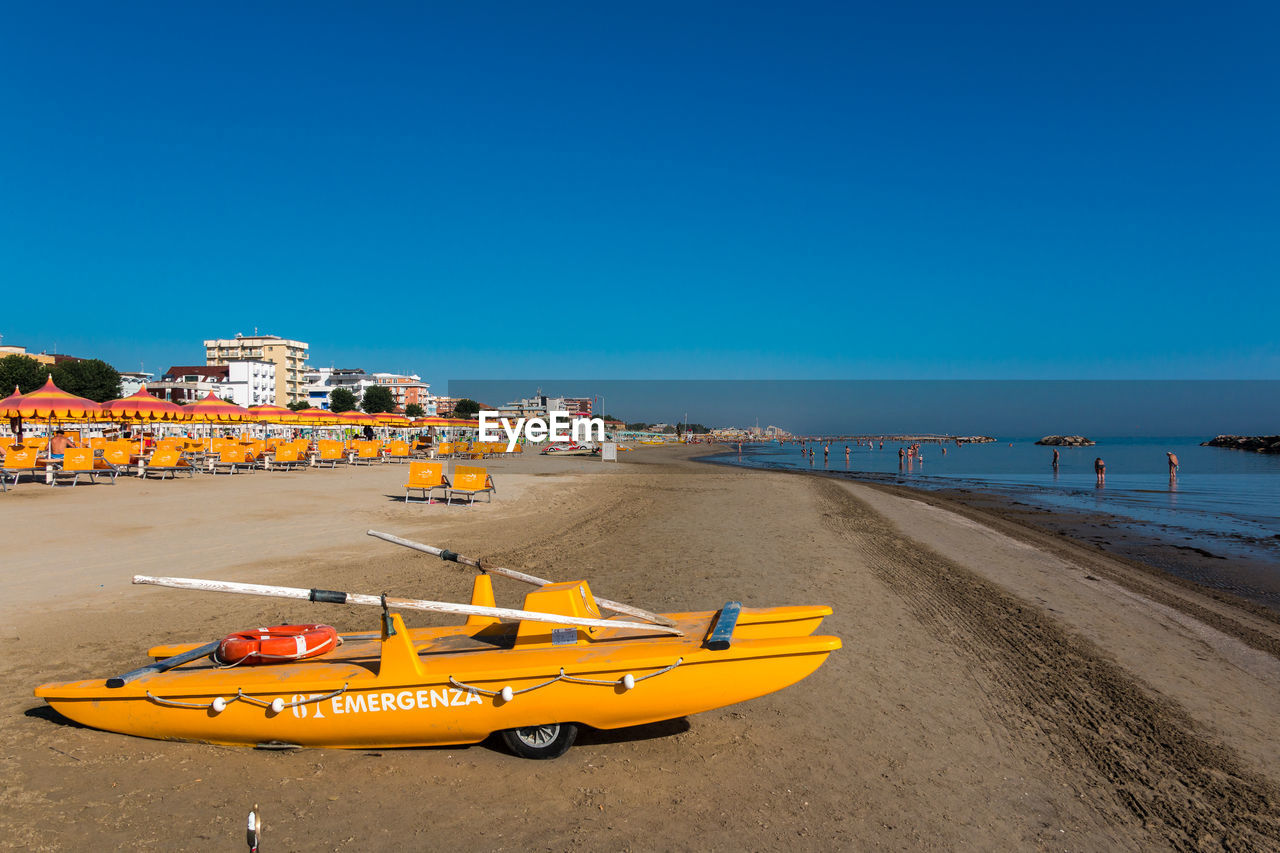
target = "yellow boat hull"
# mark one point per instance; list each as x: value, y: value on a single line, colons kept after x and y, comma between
x: 439, y: 686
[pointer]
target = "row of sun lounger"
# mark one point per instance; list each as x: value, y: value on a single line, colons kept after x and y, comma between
x: 425, y: 477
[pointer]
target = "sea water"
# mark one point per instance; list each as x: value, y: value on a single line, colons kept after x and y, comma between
x: 1222, y: 499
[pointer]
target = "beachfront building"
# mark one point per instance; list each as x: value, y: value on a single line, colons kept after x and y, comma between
x: 533, y: 407
x: 133, y: 381
x: 578, y: 406
x: 444, y: 405
x: 406, y: 390
x: 289, y: 358
x: 246, y: 383
x: 322, y: 381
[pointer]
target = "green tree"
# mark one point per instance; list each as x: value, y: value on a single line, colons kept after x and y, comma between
x: 27, y: 373
x: 413, y: 410
x: 466, y: 408
x: 378, y: 398
x: 298, y: 406
x: 92, y: 378
x: 341, y: 400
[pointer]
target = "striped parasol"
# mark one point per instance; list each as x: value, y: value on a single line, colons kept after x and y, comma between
x: 145, y: 407
x: 213, y: 410
x: 53, y: 404
x: 272, y: 414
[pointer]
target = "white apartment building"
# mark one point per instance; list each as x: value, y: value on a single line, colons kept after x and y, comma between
x: 245, y: 383
x: 131, y: 382
x: 289, y: 358
x: 322, y: 381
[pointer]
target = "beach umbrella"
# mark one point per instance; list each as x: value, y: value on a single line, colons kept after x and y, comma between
x: 11, y: 401
x: 273, y: 414
x: 143, y: 406
x: 52, y: 403
x: 213, y: 410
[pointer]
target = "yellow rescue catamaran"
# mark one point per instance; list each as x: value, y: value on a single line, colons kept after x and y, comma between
x: 533, y: 675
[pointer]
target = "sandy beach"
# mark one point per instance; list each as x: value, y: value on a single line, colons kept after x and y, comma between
x: 1000, y: 686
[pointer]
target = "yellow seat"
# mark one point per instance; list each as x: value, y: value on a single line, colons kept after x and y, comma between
x: 18, y: 461
x: 397, y: 451
x: 330, y: 453
x: 286, y: 457
x: 367, y: 452
x: 168, y: 462
x: 471, y: 480
x: 80, y: 460
x: 232, y: 459
x: 425, y: 476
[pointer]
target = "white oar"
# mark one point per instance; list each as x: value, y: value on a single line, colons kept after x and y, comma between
x: 452, y: 556
x: 330, y: 596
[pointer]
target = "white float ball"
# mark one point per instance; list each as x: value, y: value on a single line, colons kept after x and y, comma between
x: 219, y: 705
x: 628, y: 681
x: 277, y: 705
x: 507, y: 694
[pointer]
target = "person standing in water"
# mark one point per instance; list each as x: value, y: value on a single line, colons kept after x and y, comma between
x: 1055, y: 459
x: 1100, y: 468
x: 1173, y: 463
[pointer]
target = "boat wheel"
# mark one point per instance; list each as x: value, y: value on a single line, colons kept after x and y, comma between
x: 549, y: 741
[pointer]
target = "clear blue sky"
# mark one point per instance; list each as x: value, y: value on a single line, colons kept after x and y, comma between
x: 736, y: 190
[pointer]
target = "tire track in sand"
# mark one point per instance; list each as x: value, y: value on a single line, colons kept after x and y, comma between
x: 1187, y: 790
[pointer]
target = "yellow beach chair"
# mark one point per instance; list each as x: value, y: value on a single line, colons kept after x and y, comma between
x: 471, y: 480
x: 231, y: 460
x: 330, y: 453
x: 367, y: 452
x: 397, y: 451
x: 18, y: 461
x: 78, y: 461
x: 121, y: 455
x: 286, y: 458
x: 168, y: 462
x: 426, y: 476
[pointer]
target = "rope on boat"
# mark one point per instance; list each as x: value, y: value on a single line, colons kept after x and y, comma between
x: 627, y: 682
x: 218, y: 705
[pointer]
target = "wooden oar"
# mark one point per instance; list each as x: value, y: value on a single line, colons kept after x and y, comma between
x: 452, y: 556
x: 330, y: 596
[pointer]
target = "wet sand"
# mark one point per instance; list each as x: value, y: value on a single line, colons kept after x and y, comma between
x: 999, y: 687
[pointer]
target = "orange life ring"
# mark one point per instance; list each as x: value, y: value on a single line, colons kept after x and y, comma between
x: 280, y: 643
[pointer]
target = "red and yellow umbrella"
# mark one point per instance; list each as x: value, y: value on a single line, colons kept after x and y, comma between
x: 53, y: 404
x: 272, y: 414
x: 430, y: 422
x: 142, y: 406
x: 212, y: 410
x: 354, y: 418
x: 11, y: 401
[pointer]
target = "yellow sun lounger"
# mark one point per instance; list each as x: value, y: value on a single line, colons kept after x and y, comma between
x: 168, y: 462
x: 231, y: 460
x: 426, y: 476
x: 470, y: 480
x: 397, y: 451
x: 367, y: 452
x: 330, y: 453
x: 18, y: 461
x: 284, y: 459
x: 80, y: 460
